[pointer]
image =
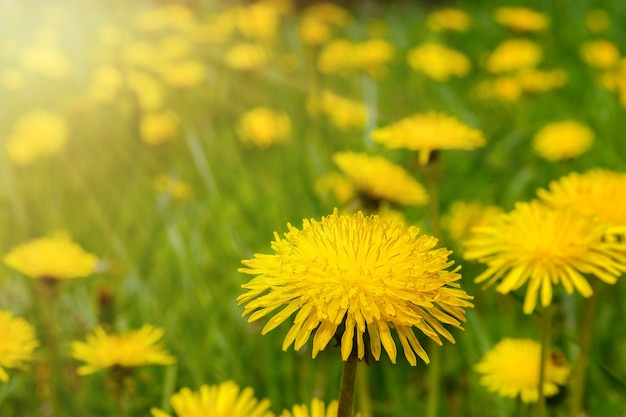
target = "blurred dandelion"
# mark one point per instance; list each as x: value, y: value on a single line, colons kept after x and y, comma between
x: 448, y: 19
x: 317, y: 409
x: 600, y: 53
x: 566, y: 139
x: 17, y: 344
x: 52, y: 258
x: 511, y: 369
x: 465, y: 215
x: 513, y: 55
x: 438, y: 62
x: 37, y: 135
x: 125, y: 350
x: 158, y: 127
x: 521, y: 19
x: 379, y: 179
x: 225, y: 399
x: 541, y: 246
x: 428, y: 132
x: 264, y: 127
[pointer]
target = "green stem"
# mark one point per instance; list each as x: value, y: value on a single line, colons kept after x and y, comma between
x: 347, y: 387
x: 546, y: 324
x: 579, y: 372
x: 434, y: 378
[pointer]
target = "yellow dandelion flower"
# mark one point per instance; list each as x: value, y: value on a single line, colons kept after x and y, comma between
x: 36, y: 135
x: 176, y: 188
x: 126, y: 350
x: 257, y: 21
x: 55, y: 257
x: 538, y: 81
x: 562, y: 140
x: 264, y: 127
x: 504, y: 89
x: 17, y: 343
x: 511, y: 369
x: 225, y: 399
x: 600, y: 53
x: 380, y: 179
x: 344, y: 57
x: 246, y: 56
x: 149, y: 92
x: 317, y: 409
x: 427, y: 132
x: 589, y: 193
x: 465, y: 215
x: 158, y: 127
x: 513, y: 55
x: 544, y: 247
x: 343, y: 112
x: 438, y: 62
x: 47, y: 59
x: 183, y: 74
x: 328, y: 12
x: 448, y: 19
x: 339, y: 186
x: 598, y: 21
x: 314, y: 31
x: 347, y: 276
x: 521, y: 19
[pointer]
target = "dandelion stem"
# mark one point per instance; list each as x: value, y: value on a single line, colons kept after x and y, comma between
x: 580, y: 367
x: 546, y: 324
x: 347, y: 387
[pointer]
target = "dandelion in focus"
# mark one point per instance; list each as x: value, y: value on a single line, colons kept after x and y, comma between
x: 17, y: 344
x: 126, y: 350
x: 562, y: 140
x: 348, y: 276
x: 428, y: 132
x: 264, y: 127
x: 448, y: 19
x: 588, y: 193
x: 225, y: 399
x: 37, y: 135
x: 51, y: 258
x: 541, y: 246
x: 379, y: 179
x: 511, y: 369
x: 521, y: 19
x: 438, y: 62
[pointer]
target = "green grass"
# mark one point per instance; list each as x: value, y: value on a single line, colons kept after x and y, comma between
x: 174, y: 263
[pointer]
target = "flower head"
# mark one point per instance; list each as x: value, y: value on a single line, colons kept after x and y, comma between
x: 521, y: 19
x: 225, y: 399
x: 380, y: 179
x: 317, y: 409
x: 438, y: 62
x: 127, y: 349
x: 465, y: 215
x: 589, y: 193
x: 427, y: 132
x: 511, y: 368
x: 514, y: 55
x: 17, y: 343
x: 562, y: 140
x: 348, y: 276
x: 55, y: 257
x: 264, y: 127
x: 544, y: 247
x: 37, y: 135
x: 600, y: 53
x: 158, y: 127
x: 448, y: 19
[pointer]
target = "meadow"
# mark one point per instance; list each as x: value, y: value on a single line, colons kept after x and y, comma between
x: 172, y: 140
